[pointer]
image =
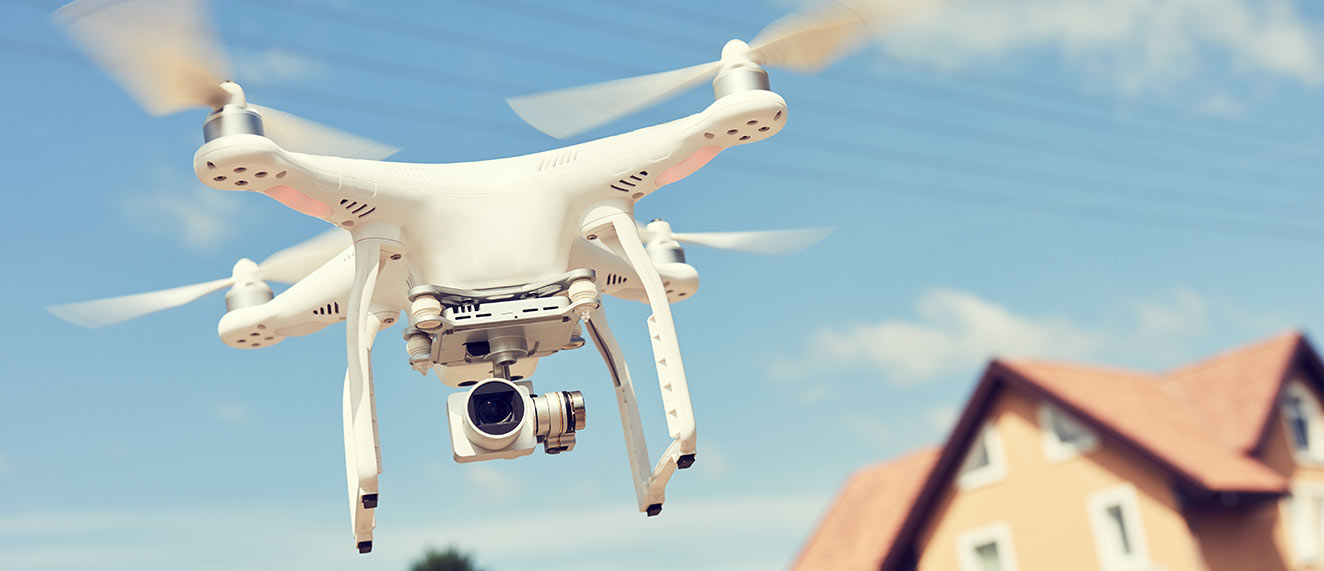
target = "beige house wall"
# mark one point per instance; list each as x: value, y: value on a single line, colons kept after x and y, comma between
x: 1045, y: 504
x: 1277, y: 454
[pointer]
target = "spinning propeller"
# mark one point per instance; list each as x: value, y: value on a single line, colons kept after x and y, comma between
x: 805, y: 41
x: 766, y: 242
x: 166, y: 54
x: 289, y: 265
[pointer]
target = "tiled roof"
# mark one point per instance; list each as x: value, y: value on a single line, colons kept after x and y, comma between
x: 1202, y: 423
x: 1146, y: 412
x: 1234, y: 390
x: 867, y: 514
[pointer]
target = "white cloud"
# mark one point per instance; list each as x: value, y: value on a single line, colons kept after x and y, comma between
x: 1137, y: 44
x: 490, y: 480
x: 1220, y: 105
x: 233, y: 413
x: 956, y: 332
x: 751, y: 532
x: 943, y: 417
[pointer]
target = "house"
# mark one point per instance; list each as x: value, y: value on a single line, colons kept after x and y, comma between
x: 1215, y: 466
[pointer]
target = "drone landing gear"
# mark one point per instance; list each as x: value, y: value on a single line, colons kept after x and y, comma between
x: 619, y: 232
x: 359, y: 412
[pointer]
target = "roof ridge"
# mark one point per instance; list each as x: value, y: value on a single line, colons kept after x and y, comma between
x: 1230, y: 356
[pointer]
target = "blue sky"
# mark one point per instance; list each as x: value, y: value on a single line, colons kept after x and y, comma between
x: 1132, y: 183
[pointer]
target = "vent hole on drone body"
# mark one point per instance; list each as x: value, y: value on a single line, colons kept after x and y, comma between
x: 356, y: 210
x: 762, y: 129
x: 468, y: 383
x: 550, y: 308
x: 643, y: 173
x: 238, y: 170
x: 708, y: 135
x: 777, y: 117
x: 484, y: 315
x: 530, y: 310
x: 344, y: 200
x: 260, y: 326
x: 751, y: 122
x: 280, y: 174
x: 268, y: 338
x: 626, y: 183
x: 254, y: 334
x: 517, y: 378
x: 744, y: 138
x: 347, y: 223
x: 618, y: 188
x: 260, y: 174
x: 374, y: 209
x: 733, y: 131
x: 219, y: 178
x: 211, y: 165
x: 241, y: 341
x: 336, y: 305
x: 241, y: 183
x: 256, y: 345
x: 351, y: 205
x: 637, y: 195
x: 636, y: 178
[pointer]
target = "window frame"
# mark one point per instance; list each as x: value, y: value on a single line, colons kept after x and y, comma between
x: 996, y: 469
x: 997, y: 533
x: 1056, y: 450
x: 1313, y: 453
x: 1103, y: 525
x: 1303, y: 516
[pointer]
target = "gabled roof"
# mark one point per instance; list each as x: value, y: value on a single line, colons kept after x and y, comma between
x: 868, y: 513
x: 1190, y: 423
x: 1235, y: 391
x: 1141, y: 411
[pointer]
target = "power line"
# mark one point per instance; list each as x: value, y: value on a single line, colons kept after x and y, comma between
x: 413, y: 114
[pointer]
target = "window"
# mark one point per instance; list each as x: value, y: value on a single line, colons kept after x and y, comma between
x: 1304, y: 512
x: 1302, y: 421
x: 1064, y: 436
x: 1118, y: 535
x: 986, y: 548
x: 983, y: 463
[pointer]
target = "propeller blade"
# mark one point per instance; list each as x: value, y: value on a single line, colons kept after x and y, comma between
x: 810, y: 39
x: 298, y: 134
x: 767, y: 242
x: 164, y: 53
x: 567, y: 112
x: 296, y: 262
x: 109, y: 311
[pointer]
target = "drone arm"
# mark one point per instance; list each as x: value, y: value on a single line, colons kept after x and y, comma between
x: 619, y: 230
x: 635, y: 445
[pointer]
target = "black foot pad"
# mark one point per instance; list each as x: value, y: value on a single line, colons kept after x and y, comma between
x: 365, y: 546
x: 654, y: 510
x: 369, y: 501
x: 685, y: 461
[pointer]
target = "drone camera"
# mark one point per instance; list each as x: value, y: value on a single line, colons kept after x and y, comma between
x: 497, y: 418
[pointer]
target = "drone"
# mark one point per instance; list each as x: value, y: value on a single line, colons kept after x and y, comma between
x: 557, y: 232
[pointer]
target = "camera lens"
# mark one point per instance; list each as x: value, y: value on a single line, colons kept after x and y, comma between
x: 495, y: 409
x: 492, y: 409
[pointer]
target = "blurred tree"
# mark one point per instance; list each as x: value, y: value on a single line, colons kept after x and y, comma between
x: 451, y: 559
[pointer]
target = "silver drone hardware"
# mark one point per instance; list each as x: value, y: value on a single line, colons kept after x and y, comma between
x: 498, y: 418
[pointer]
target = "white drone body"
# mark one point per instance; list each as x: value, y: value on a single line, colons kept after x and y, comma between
x: 498, y: 263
